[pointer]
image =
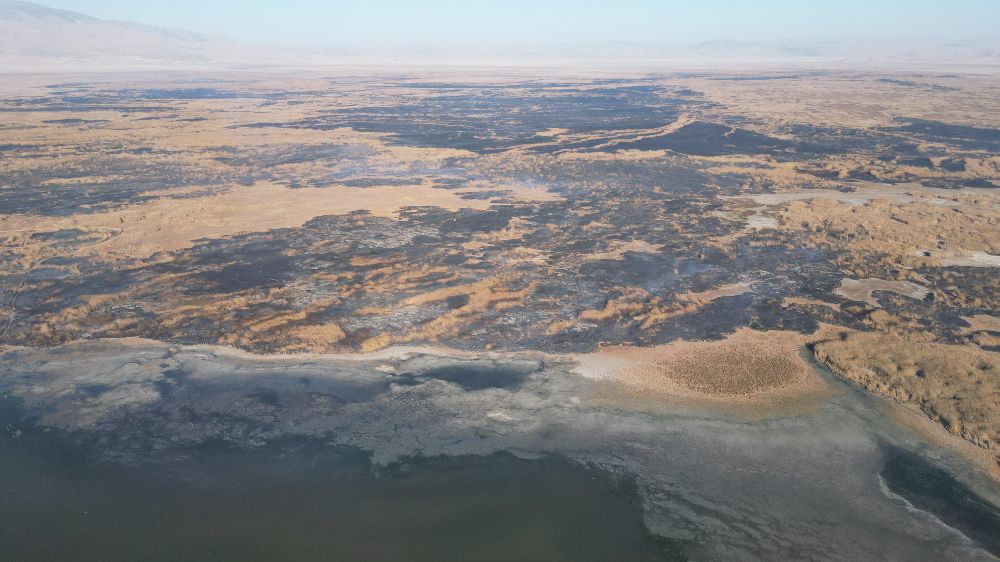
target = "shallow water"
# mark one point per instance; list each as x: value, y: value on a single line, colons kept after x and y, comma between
x: 935, y: 491
x: 478, y: 377
x: 403, y: 457
x: 300, y: 500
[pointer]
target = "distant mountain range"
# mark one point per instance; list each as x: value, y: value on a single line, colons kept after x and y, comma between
x: 32, y: 35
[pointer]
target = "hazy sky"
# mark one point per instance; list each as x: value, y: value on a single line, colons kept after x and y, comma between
x: 337, y: 22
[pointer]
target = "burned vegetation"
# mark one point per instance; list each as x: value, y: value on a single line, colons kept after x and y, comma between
x: 331, y: 215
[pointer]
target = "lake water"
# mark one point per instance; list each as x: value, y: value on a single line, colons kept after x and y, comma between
x: 300, y: 500
x: 340, y: 460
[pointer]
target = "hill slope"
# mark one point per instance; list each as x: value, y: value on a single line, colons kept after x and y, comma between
x: 35, y: 33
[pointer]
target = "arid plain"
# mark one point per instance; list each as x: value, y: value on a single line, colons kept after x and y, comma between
x: 797, y: 270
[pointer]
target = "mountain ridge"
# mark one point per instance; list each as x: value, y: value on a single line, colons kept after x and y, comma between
x: 34, y: 35
x: 32, y: 32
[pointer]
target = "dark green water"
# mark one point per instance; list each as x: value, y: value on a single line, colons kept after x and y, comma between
x: 299, y: 500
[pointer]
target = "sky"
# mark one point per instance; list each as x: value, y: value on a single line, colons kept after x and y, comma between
x: 366, y: 22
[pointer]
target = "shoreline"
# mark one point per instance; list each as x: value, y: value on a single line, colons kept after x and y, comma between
x: 815, y: 386
x: 402, y: 401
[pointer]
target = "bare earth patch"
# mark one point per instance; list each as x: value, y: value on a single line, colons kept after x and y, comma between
x: 963, y: 259
x: 618, y: 249
x: 730, y: 290
x: 802, y: 301
x: 982, y: 323
x: 861, y: 289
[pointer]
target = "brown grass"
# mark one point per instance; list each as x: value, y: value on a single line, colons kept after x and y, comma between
x: 171, y: 224
x: 488, y: 294
x: 745, y: 365
x: 957, y: 385
x: 900, y: 230
x: 625, y: 305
